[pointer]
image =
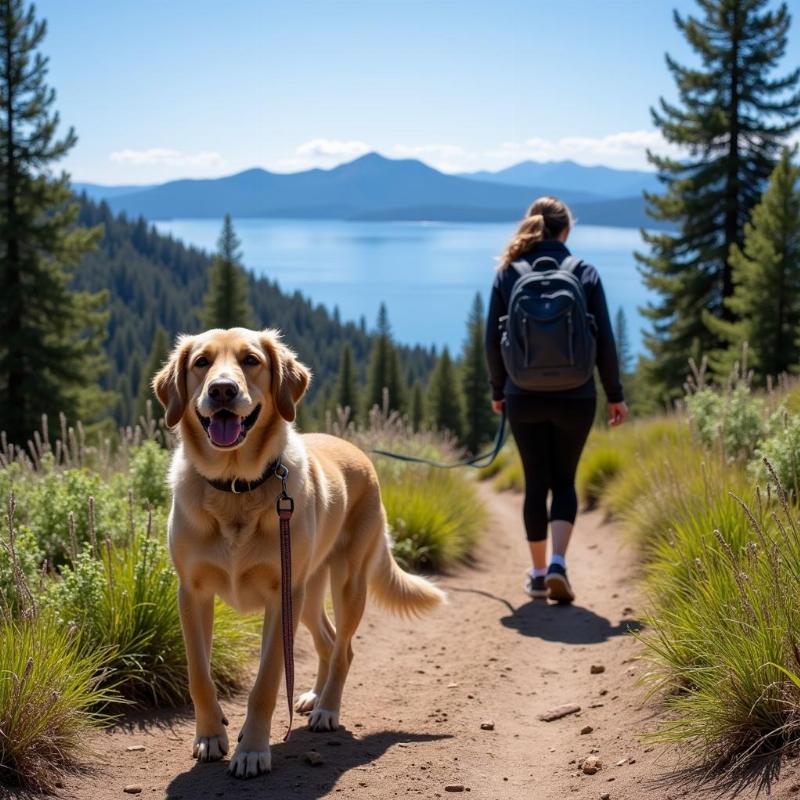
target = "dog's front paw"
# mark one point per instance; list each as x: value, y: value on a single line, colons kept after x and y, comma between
x: 306, y: 702
x: 249, y: 764
x: 323, y: 720
x: 210, y: 748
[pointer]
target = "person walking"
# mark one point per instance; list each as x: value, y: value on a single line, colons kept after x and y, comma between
x: 548, y: 327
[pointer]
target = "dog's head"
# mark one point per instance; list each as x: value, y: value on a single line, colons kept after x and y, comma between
x: 225, y: 383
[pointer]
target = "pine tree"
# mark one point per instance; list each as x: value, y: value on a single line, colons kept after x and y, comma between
x: 226, y: 304
x: 158, y: 356
x: 417, y: 413
x: 50, y: 336
x: 346, y: 393
x: 766, y: 277
x: 731, y: 120
x: 621, y: 337
x: 384, y: 369
x: 445, y: 407
x: 479, y: 420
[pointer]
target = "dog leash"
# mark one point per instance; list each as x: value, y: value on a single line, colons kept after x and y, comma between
x: 284, y: 507
x: 478, y: 462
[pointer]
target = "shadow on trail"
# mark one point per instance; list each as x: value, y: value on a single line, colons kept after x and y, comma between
x: 570, y: 624
x: 752, y: 781
x: 292, y: 776
x: 146, y: 718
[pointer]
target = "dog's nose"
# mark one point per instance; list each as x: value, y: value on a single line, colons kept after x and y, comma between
x: 222, y: 391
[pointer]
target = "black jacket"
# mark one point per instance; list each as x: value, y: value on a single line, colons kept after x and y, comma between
x: 607, y: 362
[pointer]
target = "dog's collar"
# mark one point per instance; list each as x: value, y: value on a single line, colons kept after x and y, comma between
x: 240, y: 486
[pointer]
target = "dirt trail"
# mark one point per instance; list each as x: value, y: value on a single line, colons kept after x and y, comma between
x: 419, y: 692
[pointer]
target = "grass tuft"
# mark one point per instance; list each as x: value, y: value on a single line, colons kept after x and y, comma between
x: 50, y: 693
x: 435, y: 516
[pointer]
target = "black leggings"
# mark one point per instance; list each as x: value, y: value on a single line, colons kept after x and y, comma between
x: 550, y: 434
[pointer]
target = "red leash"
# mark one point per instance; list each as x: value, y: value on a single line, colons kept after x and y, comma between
x: 285, y: 509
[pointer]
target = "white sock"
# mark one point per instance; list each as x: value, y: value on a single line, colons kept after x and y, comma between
x: 537, y: 573
x: 555, y: 559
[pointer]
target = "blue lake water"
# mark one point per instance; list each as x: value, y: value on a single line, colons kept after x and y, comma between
x: 426, y: 273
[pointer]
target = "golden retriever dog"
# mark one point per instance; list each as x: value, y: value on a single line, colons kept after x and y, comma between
x: 232, y: 396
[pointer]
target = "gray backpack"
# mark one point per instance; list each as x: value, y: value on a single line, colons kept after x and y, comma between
x: 548, y: 337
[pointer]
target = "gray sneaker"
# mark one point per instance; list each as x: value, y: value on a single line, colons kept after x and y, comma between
x: 535, y: 587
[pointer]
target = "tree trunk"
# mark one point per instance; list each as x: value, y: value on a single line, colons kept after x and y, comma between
x: 732, y: 232
x: 11, y: 326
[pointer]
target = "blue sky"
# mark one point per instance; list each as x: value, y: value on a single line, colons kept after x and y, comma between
x: 159, y: 89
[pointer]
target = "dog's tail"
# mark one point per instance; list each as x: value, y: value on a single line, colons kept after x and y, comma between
x: 399, y: 591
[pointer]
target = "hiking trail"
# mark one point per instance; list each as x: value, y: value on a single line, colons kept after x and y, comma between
x: 422, y: 693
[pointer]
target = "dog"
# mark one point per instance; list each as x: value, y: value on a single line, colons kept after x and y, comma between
x: 232, y: 396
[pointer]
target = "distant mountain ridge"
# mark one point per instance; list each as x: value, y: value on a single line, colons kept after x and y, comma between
x: 371, y: 187
x: 569, y: 175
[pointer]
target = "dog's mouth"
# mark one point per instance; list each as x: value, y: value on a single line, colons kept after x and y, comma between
x: 226, y: 429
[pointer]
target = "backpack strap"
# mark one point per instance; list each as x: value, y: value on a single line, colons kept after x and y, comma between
x: 570, y: 264
x: 522, y: 267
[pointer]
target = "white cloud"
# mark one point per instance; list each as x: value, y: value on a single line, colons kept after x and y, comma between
x: 446, y: 157
x: 166, y: 157
x: 623, y: 149
x: 322, y: 152
x: 626, y: 149
x: 332, y: 149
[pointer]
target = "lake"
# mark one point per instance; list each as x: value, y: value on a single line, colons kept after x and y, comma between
x: 426, y: 273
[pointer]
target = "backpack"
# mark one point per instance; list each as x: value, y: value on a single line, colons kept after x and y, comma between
x: 548, y: 337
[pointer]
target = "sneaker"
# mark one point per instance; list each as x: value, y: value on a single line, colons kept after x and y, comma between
x: 558, y: 584
x: 535, y: 587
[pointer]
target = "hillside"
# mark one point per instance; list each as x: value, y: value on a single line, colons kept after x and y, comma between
x: 370, y: 187
x: 154, y: 280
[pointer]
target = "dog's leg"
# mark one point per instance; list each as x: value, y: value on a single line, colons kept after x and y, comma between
x: 349, y: 589
x: 252, y: 756
x: 197, y: 621
x: 316, y: 619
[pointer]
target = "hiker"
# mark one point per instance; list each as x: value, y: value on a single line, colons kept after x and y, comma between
x: 548, y: 327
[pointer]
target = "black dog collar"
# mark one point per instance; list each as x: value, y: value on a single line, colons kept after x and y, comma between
x: 239, y: 486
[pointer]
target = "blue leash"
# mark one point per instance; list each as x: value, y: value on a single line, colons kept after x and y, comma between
x: 476, y: 461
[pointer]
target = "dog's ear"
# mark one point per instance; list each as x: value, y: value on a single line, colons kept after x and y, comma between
x: 289, y: 378
x: 169, y: 383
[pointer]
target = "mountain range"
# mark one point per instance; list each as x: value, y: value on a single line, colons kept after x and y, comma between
x: 374, y: 187
x: 569, y: 175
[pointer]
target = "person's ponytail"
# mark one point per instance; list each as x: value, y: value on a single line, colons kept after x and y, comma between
x: 545, y: 219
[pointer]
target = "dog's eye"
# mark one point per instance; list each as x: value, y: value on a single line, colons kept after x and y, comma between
x: 251, y: 361
x: 201, y: 362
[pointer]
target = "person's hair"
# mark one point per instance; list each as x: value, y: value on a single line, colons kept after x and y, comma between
x: 547, y: 218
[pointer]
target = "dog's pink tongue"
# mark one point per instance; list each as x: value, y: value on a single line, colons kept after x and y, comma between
x: 224, y: 429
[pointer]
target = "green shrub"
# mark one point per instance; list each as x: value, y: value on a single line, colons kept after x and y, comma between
x: 50, y: 693
x: 782, y: 449
x: 148, y: 474
x: 124, y: 598
x: 733, y: 421
x: 435, y: 516
x: 46, y: 499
